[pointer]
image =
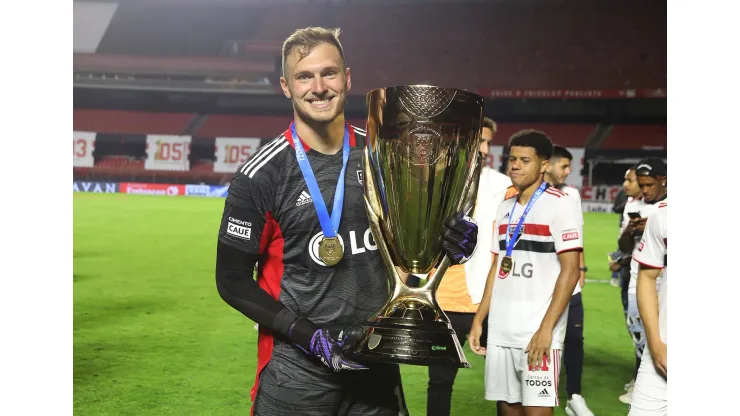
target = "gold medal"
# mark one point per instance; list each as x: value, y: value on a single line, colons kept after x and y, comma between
x: 330, y: 250
x: 506, y: 264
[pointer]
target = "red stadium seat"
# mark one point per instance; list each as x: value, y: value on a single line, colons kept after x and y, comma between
x: 130, y: 122
x: 227, y: 125
x: 566, y: 135
x: 591, y: 45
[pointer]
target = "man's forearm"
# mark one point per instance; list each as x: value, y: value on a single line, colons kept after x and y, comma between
x: 564, y: 287
x: 485, y: 303
x: 647, y: 304
x: 238, y: 289
x: 626, y: 242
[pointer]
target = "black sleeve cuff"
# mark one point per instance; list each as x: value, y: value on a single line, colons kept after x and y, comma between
x: 297, y: 329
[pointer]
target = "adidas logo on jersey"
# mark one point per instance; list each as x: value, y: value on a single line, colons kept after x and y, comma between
x: 544, y: 393
x: 304, y: 199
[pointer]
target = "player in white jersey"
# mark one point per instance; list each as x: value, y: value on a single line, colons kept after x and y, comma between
x: 536, y: 246
x: 650, y: 395
x: 461, y: 289
x: 556, y: 175
x: 622, y: 263
x: 651, y: 176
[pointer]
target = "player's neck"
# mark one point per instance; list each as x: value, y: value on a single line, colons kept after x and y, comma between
x: 547, y: 178
x: 325, y: 138
x: 526, y: 193
x: 552, y: 182
x: 661, y: 197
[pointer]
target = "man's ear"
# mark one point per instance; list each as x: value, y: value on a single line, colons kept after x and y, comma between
x: 545, y: 166
x: 284, y: 86
x: 349, y: 79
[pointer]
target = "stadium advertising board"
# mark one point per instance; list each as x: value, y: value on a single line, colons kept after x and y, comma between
x: 599, y: 198
x: 207, y: 191
x: 589, y: 206
x: 594, y: 199
x: 600, y: 193
x: 231, y: 151
x: 165, y: 152
x: 95, y: 187
x: 83, y: 144
x: 152, y: 189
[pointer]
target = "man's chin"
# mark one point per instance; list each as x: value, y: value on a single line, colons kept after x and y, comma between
x: 320, y: 117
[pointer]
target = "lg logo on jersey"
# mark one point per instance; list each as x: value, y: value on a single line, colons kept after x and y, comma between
x: 357, y: 245
x: 525, y: 270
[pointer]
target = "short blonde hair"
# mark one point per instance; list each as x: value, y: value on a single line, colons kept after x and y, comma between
x: 304, y: 40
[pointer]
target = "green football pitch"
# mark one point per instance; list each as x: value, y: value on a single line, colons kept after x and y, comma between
x: 153, y: 337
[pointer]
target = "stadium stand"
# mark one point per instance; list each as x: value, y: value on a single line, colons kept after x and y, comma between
x: 636, y: 137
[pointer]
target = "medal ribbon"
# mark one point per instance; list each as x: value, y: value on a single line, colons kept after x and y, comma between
x: 511, y: 240
x: 329, y: 227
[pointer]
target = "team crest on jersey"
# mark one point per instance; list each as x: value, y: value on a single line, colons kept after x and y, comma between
x: 360, y: 177
x: 512, y: 228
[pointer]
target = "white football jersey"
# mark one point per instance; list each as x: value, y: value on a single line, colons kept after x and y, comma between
x: 491, y: 192
x: 574, y: 193
x: 521, y: 297
x: 645, y: 210
x: 652, y: 251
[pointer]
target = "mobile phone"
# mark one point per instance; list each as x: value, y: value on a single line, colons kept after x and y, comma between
x: 634, y: 215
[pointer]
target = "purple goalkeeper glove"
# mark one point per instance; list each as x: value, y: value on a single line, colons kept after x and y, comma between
x: 329, y: 351
x: 460, y: 238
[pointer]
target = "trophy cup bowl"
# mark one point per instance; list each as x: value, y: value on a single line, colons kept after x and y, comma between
x: 421, y: 167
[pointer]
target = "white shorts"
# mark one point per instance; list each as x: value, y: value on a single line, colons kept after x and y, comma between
x: 509, y: 379
x: 650, y: 394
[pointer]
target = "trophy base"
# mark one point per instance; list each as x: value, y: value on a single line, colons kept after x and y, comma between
x: 424, y: 343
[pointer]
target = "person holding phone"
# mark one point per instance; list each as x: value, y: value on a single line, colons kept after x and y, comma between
x: 651, y: 174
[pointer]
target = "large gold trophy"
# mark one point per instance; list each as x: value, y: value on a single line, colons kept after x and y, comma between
x: 421, y: 167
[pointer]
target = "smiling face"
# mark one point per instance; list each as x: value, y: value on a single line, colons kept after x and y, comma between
x: 316, y: 83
